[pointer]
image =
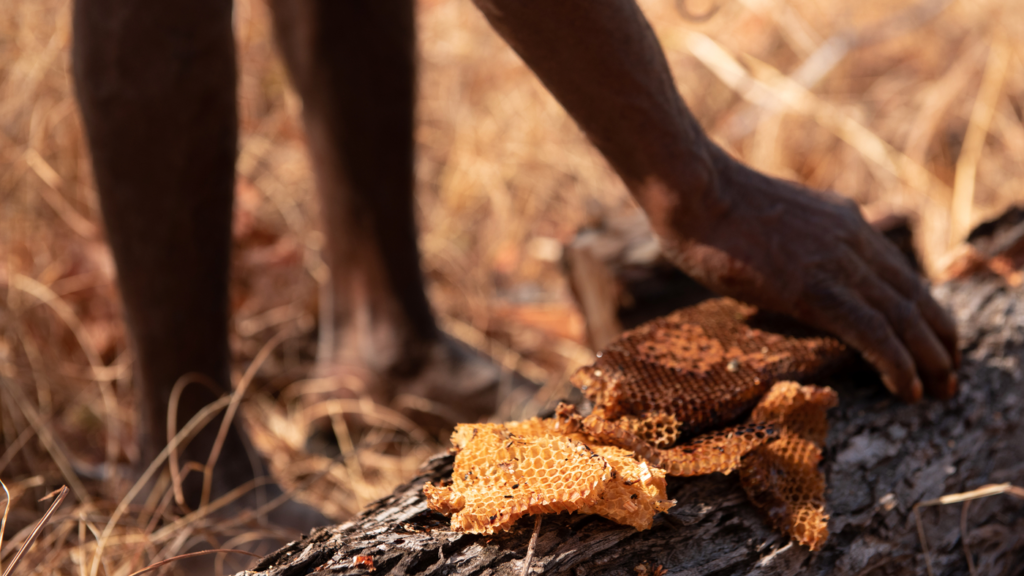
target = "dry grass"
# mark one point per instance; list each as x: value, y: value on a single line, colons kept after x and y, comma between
x: 904, y: 110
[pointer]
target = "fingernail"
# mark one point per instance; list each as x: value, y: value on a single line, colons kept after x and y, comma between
x: 916, y: 389
x: 912, y: 394
x: 890, y: 386
x: 951, y: 385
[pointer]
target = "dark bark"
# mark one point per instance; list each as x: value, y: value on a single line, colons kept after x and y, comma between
x: 882, y: 457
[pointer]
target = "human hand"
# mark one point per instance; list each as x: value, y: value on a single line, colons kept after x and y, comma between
x: 811, y: 255
x: 765, y: 241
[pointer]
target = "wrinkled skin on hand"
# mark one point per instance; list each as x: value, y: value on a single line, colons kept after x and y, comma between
x: 811, y: 255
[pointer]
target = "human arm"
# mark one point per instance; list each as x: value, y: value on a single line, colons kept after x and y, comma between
x: 743, y: 234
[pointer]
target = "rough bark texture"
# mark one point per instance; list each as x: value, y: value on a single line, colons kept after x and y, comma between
x: 882, y: 457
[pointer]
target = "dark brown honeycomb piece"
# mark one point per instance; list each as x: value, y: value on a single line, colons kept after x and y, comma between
x: 673, y: 389
x: 700, y: 368
x: 667, y: 397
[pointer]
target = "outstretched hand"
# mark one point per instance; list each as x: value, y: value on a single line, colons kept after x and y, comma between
x: 765, y: 241
x: 811, y: 255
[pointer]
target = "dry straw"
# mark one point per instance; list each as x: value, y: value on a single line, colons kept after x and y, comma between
x: 906, y: 106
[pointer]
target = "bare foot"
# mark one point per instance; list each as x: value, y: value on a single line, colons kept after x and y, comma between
x: 459, y: 384
x: 245, y: 509
x: 255, y: 517
x: 448, y: 383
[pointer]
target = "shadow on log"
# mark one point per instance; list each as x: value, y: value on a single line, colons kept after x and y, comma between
x: 882, y: 457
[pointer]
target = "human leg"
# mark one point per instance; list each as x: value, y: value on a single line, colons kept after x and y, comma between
x: 156, y: 86
x: 353, y: 63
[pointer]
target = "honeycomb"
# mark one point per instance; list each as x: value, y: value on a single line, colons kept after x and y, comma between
x: 797, y: 408
x: 662, y: 386
x: 715, y: 451
x: 636, y: 492
x: 782, y: 477
x: 668, y: 397
x: 718, y: 451
x: 700, y: 367
x: 505, y: 471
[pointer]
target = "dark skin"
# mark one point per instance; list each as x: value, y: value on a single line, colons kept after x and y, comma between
x: 766, y: 241
x: 164, y: 167
x: 155, y: 81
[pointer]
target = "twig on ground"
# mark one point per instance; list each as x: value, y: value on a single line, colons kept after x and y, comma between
x: 963, y: 538
x: 7, y: 510
x: 172, y: 425
x: 982, y: 492
x: 200, y: 419
x: 192, y: 555
x: 532, y: 546
x: 49, y: 440
x: 62, y: 493
x: 229, y: 415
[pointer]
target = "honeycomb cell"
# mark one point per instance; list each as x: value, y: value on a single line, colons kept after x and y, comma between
x: 635, y: 494
x: 703, y: 366
x: 800, y: 409
x: 718, y: 451
x: 667, y: 397
x: 505, y: 471
x: 782, y: 477
x: 683, y: 347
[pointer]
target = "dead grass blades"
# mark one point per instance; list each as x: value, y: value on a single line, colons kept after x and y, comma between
x: 906, y: 106
x: 60, y: 494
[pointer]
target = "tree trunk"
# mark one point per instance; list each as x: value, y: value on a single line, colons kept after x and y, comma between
x: 882, y: 458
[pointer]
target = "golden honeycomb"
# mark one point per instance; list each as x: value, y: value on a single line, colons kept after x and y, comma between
x: 799, y: 408
x: 716, y: 451
x: 667, y: 397
x: 635, y: 493
x: 505, y: 471
x: 782, y: 477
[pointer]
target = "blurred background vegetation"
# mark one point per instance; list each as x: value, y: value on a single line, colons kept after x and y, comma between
x: 909, y: 107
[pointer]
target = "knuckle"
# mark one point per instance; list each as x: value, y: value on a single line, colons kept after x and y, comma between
x: 819, y: 296
x: 874, y: 326
x: 849, y: 209
x: 849, y: 204
x: 855, y: 233
x: 905, y: 316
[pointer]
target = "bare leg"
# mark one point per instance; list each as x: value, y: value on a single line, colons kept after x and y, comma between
x: 358, y: 56
x: 156, y: 86
x: 353, y: 63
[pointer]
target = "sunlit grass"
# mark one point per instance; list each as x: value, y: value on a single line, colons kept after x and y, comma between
x: 906, y: 110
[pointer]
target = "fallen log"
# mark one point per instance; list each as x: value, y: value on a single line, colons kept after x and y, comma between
x: 882, y: 459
